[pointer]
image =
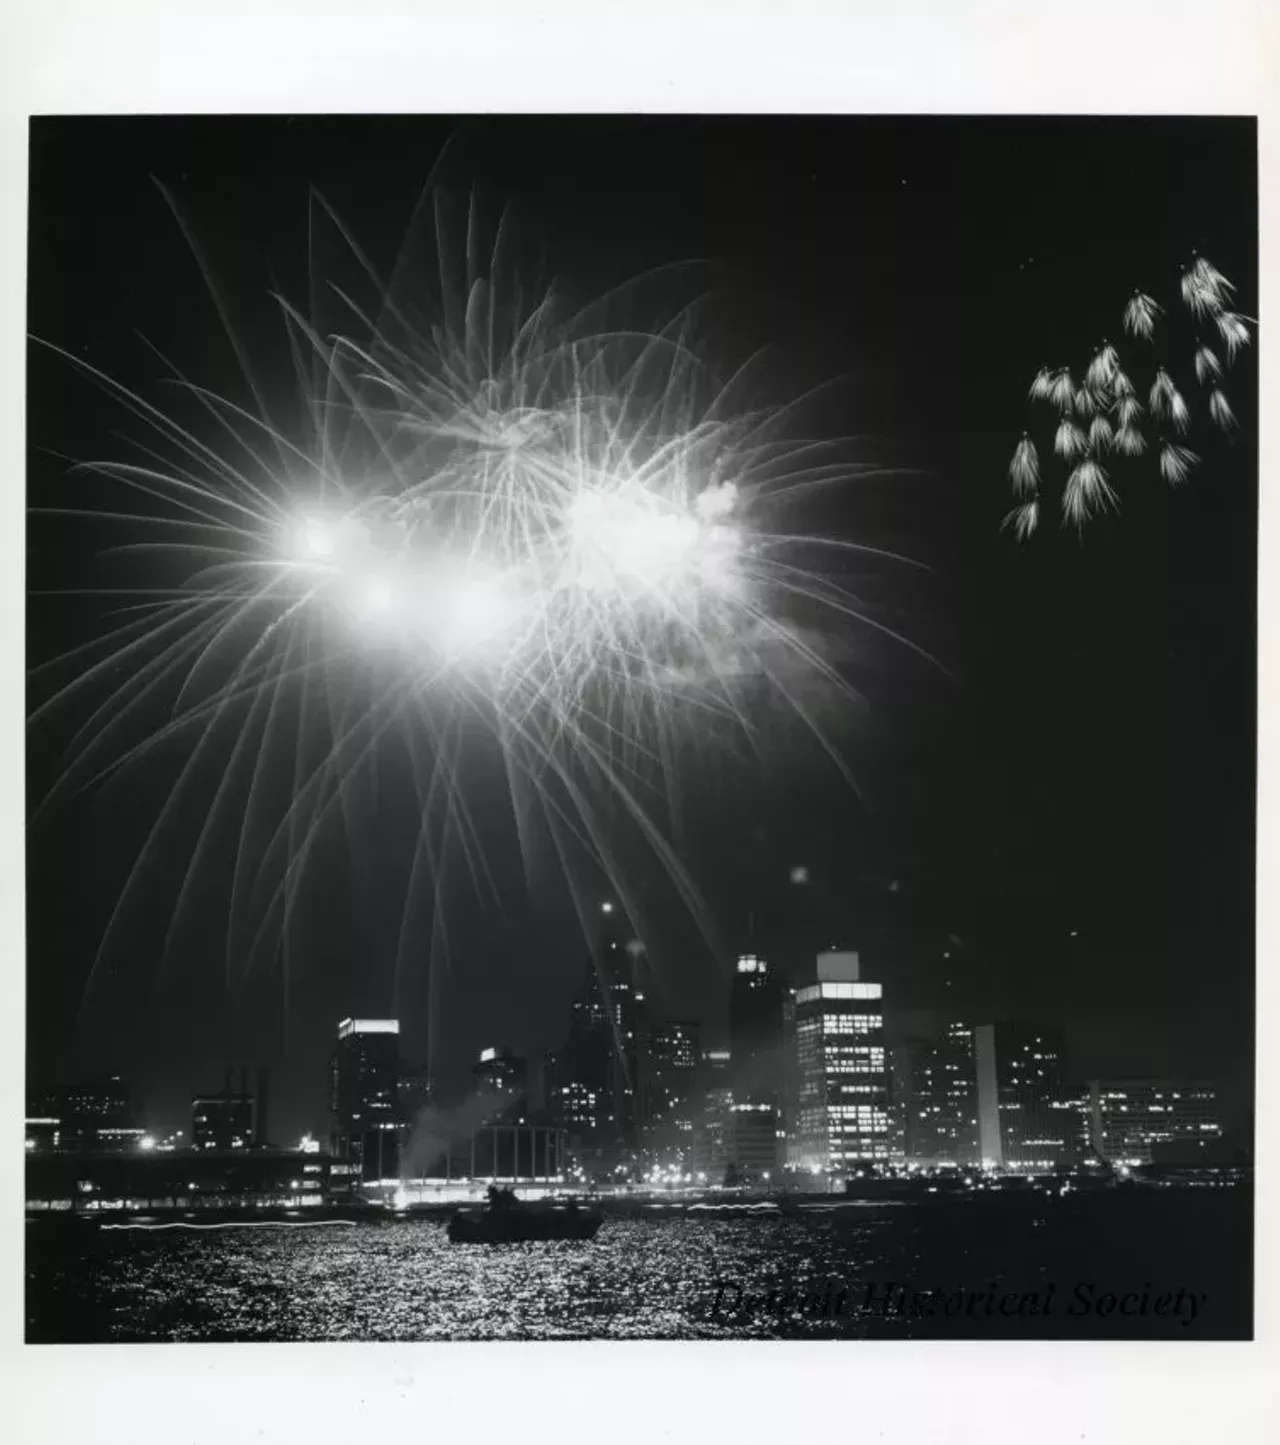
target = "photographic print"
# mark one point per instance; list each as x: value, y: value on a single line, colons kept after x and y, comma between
x: 640, y: 727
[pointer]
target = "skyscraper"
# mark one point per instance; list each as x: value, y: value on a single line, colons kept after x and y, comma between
x: 364, y: 1079
x: 1019, y: 1071
x: 595, y: 1083
x: 941, y: 1106
x: 670, y: 1101
x: 755, y: 1069
x: 842, y: 1108
x: 579, y: 1075
x: 713, y: 1114
x: 755, y: 1032
x: 621, y: 964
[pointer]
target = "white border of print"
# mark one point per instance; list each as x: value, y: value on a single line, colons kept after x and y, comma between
x: 1120, y: 56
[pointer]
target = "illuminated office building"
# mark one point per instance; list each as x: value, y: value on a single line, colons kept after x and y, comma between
x: 1144, y: 1121
x: 621, y: 961
x: 670, y: 1100
x: 841, y: 1111
x: 579, y: 1076
x: 89, y: 1117
x: 710, y: 1151
x: 940, y: 1107
x: 1020, y: 1090
x: 597, y: 1084
x: 755, y: 1069
x: 225, y: 1120
x: 498, y: 1075
x: 364, y: 1111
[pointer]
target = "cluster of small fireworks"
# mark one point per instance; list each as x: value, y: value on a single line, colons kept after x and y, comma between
x: 553, y: 530
x: 1107, y: 419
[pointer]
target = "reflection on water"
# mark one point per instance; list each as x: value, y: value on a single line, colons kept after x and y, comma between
x: 830, y: 1272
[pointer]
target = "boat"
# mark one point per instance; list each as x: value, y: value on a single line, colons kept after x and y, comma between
x: 505, y: 1220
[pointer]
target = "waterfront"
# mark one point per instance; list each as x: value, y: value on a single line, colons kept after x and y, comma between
x: 998, y: 1268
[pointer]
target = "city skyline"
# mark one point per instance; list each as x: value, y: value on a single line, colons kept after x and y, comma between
x: 643, y: 1096
x: 1020, y: 842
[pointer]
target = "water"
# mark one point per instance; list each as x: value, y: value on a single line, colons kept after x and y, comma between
x: 829, y: 1272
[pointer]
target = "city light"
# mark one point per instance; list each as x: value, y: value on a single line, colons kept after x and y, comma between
x: 367, y: 1026
x: 147, y: 1142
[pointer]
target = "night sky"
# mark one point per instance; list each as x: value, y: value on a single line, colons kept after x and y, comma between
x: 1057, y: 818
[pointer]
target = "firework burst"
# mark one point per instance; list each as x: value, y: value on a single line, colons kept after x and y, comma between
x: 505, y: 521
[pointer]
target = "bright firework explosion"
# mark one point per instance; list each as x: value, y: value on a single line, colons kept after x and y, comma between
x: 506, y: 524
x: 1106, y: 419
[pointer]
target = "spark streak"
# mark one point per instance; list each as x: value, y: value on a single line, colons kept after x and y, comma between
x: 507, y: 519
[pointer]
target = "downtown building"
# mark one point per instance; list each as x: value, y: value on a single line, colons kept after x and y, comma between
x: 1151, y: 1121
x: 225, y: 1120
x: 413, y: 1093
x: 621, y: 964
x: 578, y: 1078
x: 92, y: 1117
x: 364, y: 1078
x: 839, y: 1090
x: 597, y: 1084
x: 501, y: 1079
x: 713, y: 1115
x: 938, y: 1102
x: 1022, y: 1122
x: 755, y: 1072
x: 670, y: 1100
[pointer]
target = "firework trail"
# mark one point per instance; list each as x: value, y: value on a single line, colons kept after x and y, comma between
x: 506, y: 531
x: 1105, y: 420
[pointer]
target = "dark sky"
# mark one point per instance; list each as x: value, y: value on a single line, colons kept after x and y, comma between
x: 1061, y: 821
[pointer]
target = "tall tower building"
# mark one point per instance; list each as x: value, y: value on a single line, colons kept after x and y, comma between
x: 364, y: 1086
x: 596, y: 1082
x: 755, y: 1070
x: 671, y: 1103
x: 713, y: 1116
x: 579, y: 1075
x: 1019, y: 1074
x: 842, y: 1108
x: 621, y: 970
x: 941, y: 1104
